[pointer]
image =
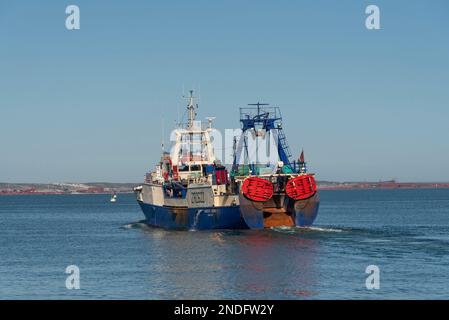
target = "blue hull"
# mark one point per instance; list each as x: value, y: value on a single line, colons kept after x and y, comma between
x: 193, y: 218
x: 303, y: 214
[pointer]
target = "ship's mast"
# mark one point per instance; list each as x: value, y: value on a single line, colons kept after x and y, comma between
x: 191, y: 109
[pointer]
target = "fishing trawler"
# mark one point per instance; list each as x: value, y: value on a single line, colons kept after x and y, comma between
x: 277, y: 192
x: 190, y: 189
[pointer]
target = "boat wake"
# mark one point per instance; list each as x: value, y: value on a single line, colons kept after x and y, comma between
x: 142, y: 225
x: 136, y: 225
x: 324, y: 229
x: 306, y: 229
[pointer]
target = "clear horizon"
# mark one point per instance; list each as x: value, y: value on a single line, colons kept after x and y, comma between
x: 90, y: 104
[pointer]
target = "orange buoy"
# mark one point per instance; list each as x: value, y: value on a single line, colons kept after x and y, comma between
x: 301, y: 187
x: 257, y: 189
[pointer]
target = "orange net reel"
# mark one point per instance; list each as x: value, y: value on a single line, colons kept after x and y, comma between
x: 301, y: 187
x: 257, y: 189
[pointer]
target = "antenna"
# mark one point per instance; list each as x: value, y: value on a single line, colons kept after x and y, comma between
x: 258, y: 104
x: 177, y: 117
x: 163, y: 133
x: 209, y: 120
x: 191, y: 109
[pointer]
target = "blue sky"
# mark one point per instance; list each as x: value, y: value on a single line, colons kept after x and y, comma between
x: 87, y: 105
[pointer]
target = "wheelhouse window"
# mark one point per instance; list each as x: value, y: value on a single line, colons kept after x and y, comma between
x: 195, y: 167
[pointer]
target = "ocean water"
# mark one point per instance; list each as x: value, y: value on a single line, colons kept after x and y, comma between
x: 403, y: 232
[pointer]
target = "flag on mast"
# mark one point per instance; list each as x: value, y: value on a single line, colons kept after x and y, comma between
x: 301, y: 157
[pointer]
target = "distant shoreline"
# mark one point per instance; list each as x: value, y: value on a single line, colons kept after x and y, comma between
x: 65, y: 188
x: 382, y: 188
x: 8, y: 189
x: 58, y: 193
x: 382, y: 185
